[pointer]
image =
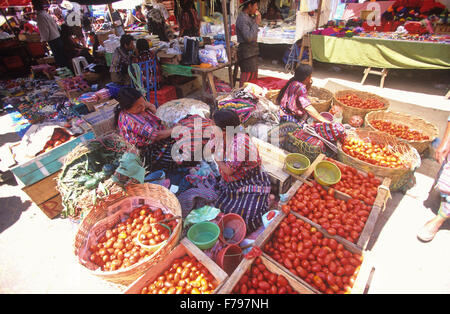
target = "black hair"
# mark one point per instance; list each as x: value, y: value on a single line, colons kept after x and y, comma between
x: 126, y: 97
x: 142, y: 44
x: 125, y: 40
x: 245, y: 4
x: 138, y: 7
x: 301, y: 73
x: 226, y: 117
x: 37, y: 5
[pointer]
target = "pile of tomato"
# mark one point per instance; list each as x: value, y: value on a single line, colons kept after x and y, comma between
x: 375, y: 154
x: 355, y: 184
x: 322, y: 262
x: 186, y: 275
x: 259, y: 280
x: 353, y: 100
x: 399, y: 130
x: 59, y: 137
x: 117, y: 249
x: 338, y: 217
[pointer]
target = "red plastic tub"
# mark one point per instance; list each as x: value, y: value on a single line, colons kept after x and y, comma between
x: 235, y: 222
x: 229, y: 258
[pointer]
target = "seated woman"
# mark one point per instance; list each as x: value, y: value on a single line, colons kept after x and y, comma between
x: 137, y: 123
x: 244, y: 187
x: 73, y: 49
x: 144, y: 54
x: 293, y: 98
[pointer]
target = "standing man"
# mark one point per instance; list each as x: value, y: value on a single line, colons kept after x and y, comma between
x: 49, y: 31
x: 247, y: 24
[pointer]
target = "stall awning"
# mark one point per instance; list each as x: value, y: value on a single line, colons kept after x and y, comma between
x: 14, y: 3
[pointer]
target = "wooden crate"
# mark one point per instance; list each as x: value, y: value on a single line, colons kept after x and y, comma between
x: 272, y: 267
x: 365, y: 271
x: 45, y: 195
x: 273, y: 162
x: 377, y: 208
x: 47, y: 163
x: 185, y: 247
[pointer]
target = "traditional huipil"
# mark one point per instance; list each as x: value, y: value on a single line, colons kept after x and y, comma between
x: 293, y: 103
x: 245, y: 192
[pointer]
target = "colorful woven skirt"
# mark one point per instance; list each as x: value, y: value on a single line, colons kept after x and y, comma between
x: 247, y: 197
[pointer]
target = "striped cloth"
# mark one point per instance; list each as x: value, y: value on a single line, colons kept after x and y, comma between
x: 139, y: 129
x: 443, y: 185
x: 247, y: 77
x: 243, y: 107
x: 247, y: 197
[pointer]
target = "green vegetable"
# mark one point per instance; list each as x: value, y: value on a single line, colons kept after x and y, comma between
x: 91, y: 184
x: 100, y: 176
x: 82, y: 179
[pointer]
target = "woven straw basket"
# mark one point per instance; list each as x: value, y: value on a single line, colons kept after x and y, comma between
x: 141, y: 193
x: 348, y: 112
x: 324, y: 95
x: 413, y: 122
x: 399, y: 176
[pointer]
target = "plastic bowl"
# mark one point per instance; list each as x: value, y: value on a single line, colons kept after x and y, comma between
x: 229, y: 258
x: 204, y: 234
x: 293, y: 159
x: 327, y: 116
x: 237, y: 224
x: 326, y: 173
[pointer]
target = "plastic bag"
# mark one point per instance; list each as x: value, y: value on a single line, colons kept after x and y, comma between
x: 205, y: 213
x: 208, y: 56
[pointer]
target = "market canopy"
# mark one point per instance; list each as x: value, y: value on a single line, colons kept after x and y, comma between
x: 14, y: 3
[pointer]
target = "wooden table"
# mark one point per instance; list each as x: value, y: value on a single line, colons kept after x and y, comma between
x: 208, y: 78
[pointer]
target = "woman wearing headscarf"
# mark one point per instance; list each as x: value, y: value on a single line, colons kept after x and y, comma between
x: 247, y: 35
x: 244, y: 188
x: 293, y: 100
x: 189, y: 21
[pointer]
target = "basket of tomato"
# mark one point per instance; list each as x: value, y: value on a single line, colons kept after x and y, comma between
x: 358, y: 103
x: 413, y: 130
x: 113, y: 239
x: 381, y: 154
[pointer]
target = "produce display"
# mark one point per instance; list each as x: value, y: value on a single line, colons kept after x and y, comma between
x: 186, y: 275
x: 119, y: 248
x: 322, y: 262
x: 375, y: 154
x: 337, y: 217
x: 353, y: 100
x: 259, y: 280
x: 399, y: 130
x: 59, y: 137
x: 358, y: 186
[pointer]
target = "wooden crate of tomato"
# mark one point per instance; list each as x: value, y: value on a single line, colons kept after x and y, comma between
x: 319, y: 262
x: 350, y: 219
x: 186, y: 270
x: 260, y: 275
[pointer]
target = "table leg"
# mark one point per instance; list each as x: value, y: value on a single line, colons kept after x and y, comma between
x: 210, y: 78
x: 366, y: 72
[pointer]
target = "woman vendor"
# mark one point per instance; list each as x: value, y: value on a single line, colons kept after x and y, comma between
x: 293, y: 98
x: 136, y: 121
x: 247, y: 36
x: 244, y: 188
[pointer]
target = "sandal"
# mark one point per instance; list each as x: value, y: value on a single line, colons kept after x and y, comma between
x: 425, y: 235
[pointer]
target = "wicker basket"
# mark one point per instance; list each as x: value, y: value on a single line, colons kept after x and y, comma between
x: 141, y: 193
x: 348, y: 112
x: 324, y: 95
x: 400, y: 177
x: 282, y: 131
x: 272, y: 95
x: 413, y: 122
x: 101, y: 121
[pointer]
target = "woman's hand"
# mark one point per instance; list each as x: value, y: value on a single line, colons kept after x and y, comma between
x: 151, y: 107
x: 258, y: 17
x: 444, y: 148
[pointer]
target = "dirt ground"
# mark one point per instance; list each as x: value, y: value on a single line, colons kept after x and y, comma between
x: 37, y: 253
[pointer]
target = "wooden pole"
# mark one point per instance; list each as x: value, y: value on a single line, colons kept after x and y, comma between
x: 318, y: 14
x: 227, y: 40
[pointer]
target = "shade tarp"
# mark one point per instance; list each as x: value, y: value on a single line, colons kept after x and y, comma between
x: 380, y: 53
x: 14, y: 3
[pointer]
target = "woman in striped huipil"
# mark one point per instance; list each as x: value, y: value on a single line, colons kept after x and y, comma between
x: 244, y: 188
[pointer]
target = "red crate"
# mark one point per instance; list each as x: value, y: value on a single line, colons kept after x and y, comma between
x: 36, y: 49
